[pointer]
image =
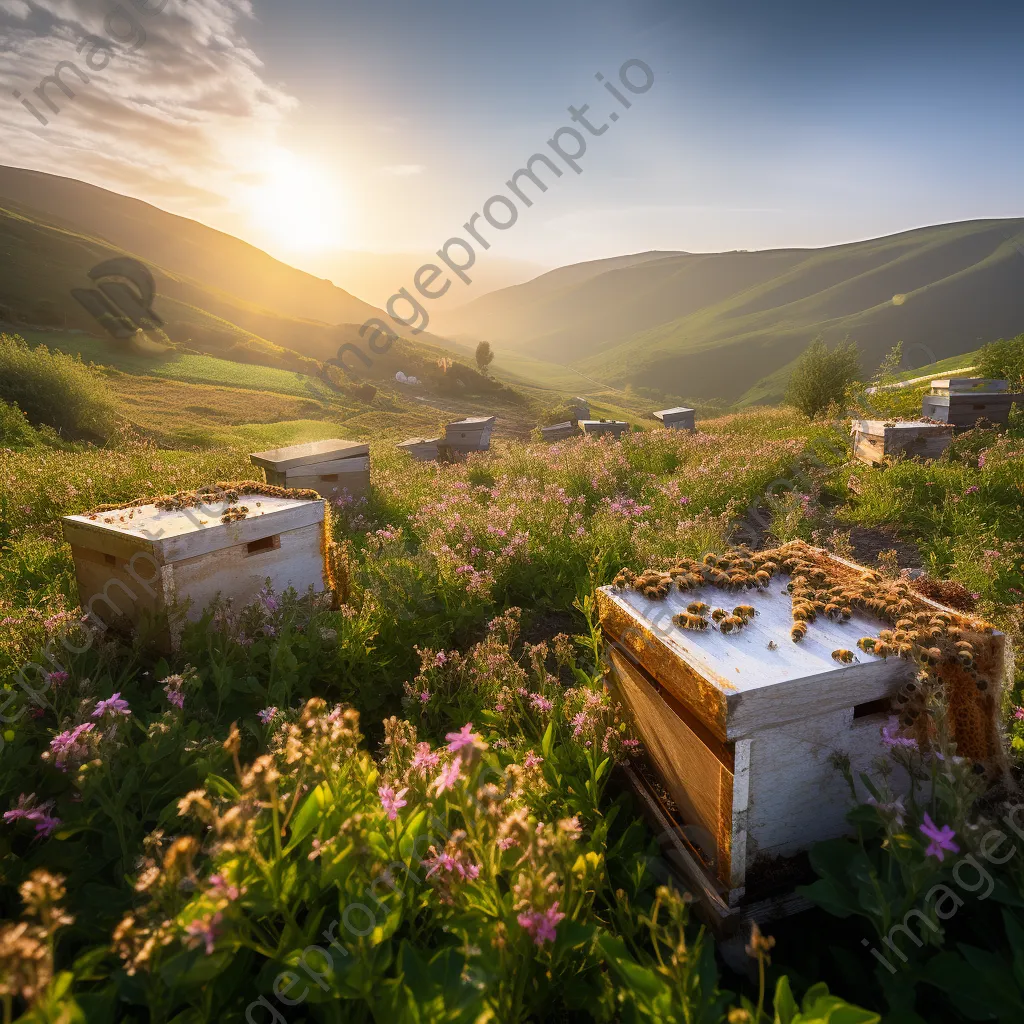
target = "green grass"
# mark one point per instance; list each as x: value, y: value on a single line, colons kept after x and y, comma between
x: 186, y: 367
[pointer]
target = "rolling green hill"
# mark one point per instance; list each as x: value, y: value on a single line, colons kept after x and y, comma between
x: 730, y: 324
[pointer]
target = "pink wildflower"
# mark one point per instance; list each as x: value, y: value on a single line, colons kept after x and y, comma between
x: 540, y: 924
x: 391, y: 801
x: 465, y: 737
x: 203, y: 932
x: 1018, y: 714
x: 58, y: 678
x: 221, y: 888
x: 267, y: 715
x: 424, y: 758
x: 532, y: 760
x: 941, y: 839
x: 540, y: 703
x: 113, y: 705
x: 448, y: 777
x: 39, y: 815
x: 71, y: 745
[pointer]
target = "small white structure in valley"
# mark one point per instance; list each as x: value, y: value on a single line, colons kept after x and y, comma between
x: 330, y: 468
x: 422, y: 449
x: 679, y: 418
x: 142, y: 561
x: 472, y: 434
x: 876, y: 440
x: 600, y: 427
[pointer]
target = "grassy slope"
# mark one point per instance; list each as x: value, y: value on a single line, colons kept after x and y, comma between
x: 717, y: 324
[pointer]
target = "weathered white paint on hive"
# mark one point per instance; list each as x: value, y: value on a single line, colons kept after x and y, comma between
x: 141, y: 561
x: 761, y: 686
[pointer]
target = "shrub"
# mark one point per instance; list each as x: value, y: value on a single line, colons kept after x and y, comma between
x: 484, y: 356
x: 55, y: 390
x: 823, y: 377
x: 15, y: 430
x: 1004, y: 360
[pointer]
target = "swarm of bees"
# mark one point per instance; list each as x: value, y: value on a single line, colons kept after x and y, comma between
x: 235, y: 514
x: 930, y: 639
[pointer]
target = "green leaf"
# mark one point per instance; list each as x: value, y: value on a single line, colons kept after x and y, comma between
x: 308, y: 816
x: 785, y: 1005
x: 548, y: 741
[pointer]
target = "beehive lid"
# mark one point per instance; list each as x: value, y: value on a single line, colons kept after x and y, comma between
x: 281, y: 459
x: 878, y: 427
x: 567, y: 425
x: 607, y: 424
x: 966, y: 385
x: 172, y: 535
x: 672, y: 414
x: 416, y: 442
x: 475, y: 421
x: 735, y: 683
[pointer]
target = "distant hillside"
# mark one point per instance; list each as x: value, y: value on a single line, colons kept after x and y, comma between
x: 721, y: 324
x: 182, y: 246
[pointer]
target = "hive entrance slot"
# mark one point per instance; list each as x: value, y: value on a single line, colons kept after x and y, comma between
x: 110, y: 559
x: 332, y: 478
x: 264, y: 544
x: 882, y: 706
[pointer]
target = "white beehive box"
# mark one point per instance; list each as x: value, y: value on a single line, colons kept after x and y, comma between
x: 559, y: 432
x: 331, y: 468
x: 679, y: 418
x: 470, y: 435
x: 140, y: 562
x: 600, y: 427
x: 876, y: 440
x: 962, y: 401
x: 743, y: 734
x: 422, y: 449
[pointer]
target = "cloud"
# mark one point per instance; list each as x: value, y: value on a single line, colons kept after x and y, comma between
x: 403, y: 170
x: 169, y: 101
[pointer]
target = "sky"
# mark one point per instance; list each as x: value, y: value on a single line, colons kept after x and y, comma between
x: 312, y: 127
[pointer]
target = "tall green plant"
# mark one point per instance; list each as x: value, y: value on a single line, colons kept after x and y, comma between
x: 824, y: 377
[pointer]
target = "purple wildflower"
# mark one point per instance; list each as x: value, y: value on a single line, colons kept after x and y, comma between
x: 391, y: 801
x: 541, y: 923
x: 941, y: 839
x: 891, y: 739
x: 113, y: 705
x: 267, y: 715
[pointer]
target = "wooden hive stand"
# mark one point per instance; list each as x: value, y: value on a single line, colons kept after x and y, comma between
x: 679, y: 418
x: 742, y: 729
x: 145, y: 561
x: 962, y: 401
x: 874, y: 441
x: 331, y: 468
x: 616, y: 428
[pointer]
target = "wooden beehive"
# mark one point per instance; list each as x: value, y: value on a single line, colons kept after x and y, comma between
x: 742, y: 730
x: 962, y: 401
x: 579, y: 409
x: 472, y: 434
x: 600, y: 427
x: 331, y: 468
x: 559, y: 432
x: 876, y: 440
x: 679, y: 418
x: 144, y: 561
x: 422, y: 449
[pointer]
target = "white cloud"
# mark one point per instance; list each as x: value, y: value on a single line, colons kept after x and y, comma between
x: 176, y: 109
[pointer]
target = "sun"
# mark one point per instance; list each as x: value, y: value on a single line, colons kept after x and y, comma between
x: 297, y: 206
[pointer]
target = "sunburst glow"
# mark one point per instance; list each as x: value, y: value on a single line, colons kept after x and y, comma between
x: 296, y: 205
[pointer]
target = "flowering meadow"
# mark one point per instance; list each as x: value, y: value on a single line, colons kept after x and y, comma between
x: 401, y: 802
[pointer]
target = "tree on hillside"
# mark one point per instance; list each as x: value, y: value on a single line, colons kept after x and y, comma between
x: 484, y: 356
x: 824, y: 377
